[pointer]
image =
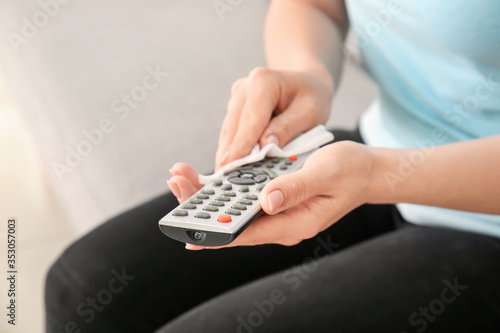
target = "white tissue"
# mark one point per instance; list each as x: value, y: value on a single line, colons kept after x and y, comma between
x: 303, y: 143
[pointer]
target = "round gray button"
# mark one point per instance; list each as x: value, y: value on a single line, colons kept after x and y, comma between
x: 202, y: 215
x: 180, y: 212
x: 211, y: 209
x: 207, y: 191
x: 233, y: 211
x: 251, y: 196
x: 245, y: 202
x: 196, y: 201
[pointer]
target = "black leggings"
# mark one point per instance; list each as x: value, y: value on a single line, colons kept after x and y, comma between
x: 369, y: 272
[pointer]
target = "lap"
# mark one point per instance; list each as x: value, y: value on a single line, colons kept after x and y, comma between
x: 165, y: 280
x: 409, y: 280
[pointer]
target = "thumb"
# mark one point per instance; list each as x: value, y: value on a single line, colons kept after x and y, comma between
x: 289, y: 190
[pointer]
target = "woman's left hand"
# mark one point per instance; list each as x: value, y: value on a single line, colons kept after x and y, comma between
x: 333, y: 181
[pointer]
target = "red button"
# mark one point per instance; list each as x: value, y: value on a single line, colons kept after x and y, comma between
x: 224, y: 218
x: 293, y: 158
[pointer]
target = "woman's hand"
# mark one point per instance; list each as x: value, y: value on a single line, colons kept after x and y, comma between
x: 333, y: 181
x: 272, y: 106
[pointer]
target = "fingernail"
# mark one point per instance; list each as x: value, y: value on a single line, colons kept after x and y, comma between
x: 273, y: 139
x: 224, y: 158
x: 174, y: 188
x: 173, y: 172
x: 275, y: 200
x: 194, y: 247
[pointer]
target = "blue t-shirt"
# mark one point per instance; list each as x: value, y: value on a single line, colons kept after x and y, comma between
x: 437, y: 66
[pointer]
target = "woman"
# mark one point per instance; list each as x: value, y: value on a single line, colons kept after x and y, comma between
x: 395, y: 228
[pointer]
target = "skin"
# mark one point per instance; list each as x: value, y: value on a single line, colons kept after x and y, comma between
x: 293, y: 95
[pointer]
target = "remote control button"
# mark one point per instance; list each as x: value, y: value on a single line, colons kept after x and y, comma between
x: 288, y: 162
x: 239, y: 207
x: 245, y: 167
x: 217, y: 182
x: 227, y: 187
x: 257, y: 164
x: 270, y: 173
x: 275, y: 160
x: 180, y: 212
x: 283, y: 167
x: 188, y: 206
x: 260, y: 187
x: 195, y: 201
x: 216, y: 203
x: 224, y: 218
x: 247, y: 176
x: 252, y: 196
x: 228, y: 194
x: 260, y: 178
x: 293, y: 158
x: 223, y: 199
x: 202, y: 196
x: 245, y: 202
x: 211, y: 209
x: 202, y: 215
x: 280, y: 158
x: 244, y: 189
x: 270, y: 165
x: 233, y: 211
x: 241, y: 181
x: 207, y: 191
x: 232, y: 173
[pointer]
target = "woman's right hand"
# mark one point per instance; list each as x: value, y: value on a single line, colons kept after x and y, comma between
x: 271, y: 106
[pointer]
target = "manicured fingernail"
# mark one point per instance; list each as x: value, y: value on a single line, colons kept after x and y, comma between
x: 224, y: 158
x: 194, y: 247
x: 174, y: 188
x: 273, y: 139
x: 275, y: 199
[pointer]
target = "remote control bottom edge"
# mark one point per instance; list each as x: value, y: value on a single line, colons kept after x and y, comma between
x: 201, y: 237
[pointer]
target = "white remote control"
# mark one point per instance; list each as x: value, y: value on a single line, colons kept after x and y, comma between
x: 220, y: 211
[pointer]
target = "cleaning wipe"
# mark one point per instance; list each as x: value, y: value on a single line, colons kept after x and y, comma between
x: 303, y: 143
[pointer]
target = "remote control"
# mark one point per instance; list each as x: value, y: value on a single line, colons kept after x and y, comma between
x: 220, y: 211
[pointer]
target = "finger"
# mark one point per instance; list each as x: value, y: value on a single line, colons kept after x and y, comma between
x: 230, y: 123
x: 262, y: 97
x: 287, y: 124
x: 287, y: 228
x: 183, y: 169
x: 291, y: 189
x: 182, y: 188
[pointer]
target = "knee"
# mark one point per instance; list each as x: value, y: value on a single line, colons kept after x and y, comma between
x: 62, y: 292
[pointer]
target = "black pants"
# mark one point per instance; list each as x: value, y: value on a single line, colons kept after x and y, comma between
x: 369, y: 272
